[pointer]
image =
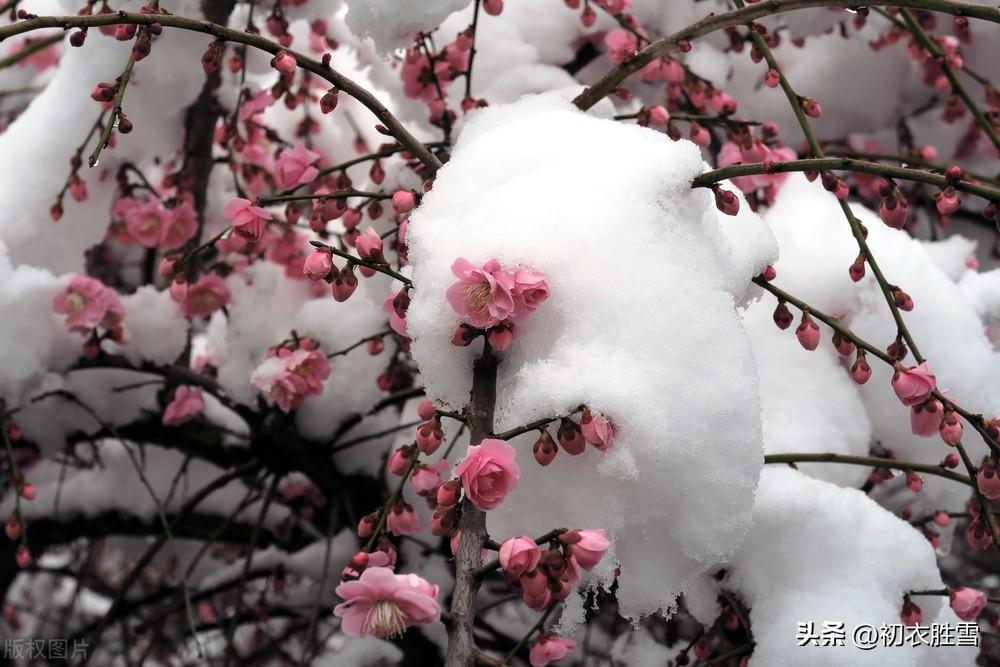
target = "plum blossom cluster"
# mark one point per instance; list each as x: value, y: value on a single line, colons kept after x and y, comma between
x: 542, y: 577
x: 91, y: 309
x: 491, y: 299
x: 292, y: 372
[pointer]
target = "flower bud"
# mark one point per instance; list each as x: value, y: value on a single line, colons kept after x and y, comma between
x: 545, y: 449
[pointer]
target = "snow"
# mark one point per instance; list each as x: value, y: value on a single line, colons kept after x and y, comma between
x: 809, y: 403
x: 838, y: 557
x: 393, y: 24
x: 33, y: 336
x: 644, y: 274
x: 155, y: 328
x: 816, y: 250
x: 36, y: 148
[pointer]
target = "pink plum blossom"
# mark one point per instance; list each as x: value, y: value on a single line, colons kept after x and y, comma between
x: 914, y: 385
x: 483, y: 296
x: 519, y: 555
x: 187, y: 403
x: 88, y: 304
x: 549, y: 648
x: 488, y: 472
x: 248, y: 220
x: 967, y: 603
x: 295, y: 167
x: 383, y: 604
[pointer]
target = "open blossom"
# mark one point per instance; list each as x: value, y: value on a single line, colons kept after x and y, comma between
x: 489, y: 295
x: 914, y: 385
x: 89, y: 304
x: 287, y: 378
x: 519, y: 555
x: 146, y: 222
x: 488, y: 472
x: 295, y: 167
x: 586, y: 546
x: 548, y: 649
x: 187, y: 403
x: 483, y: 296
x: 248, y: 220
x: 967, y: 603
x: 204, y: 297
x: 383, y: 604
x: 179, y: 226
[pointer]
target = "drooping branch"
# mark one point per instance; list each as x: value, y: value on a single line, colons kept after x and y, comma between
x: 843, y: 164
x: 610, y: 81
x: 392, y: 125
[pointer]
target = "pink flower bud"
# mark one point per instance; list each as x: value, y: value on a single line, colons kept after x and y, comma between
x: 941, y: 518
x: 344, y: 284
x: 570, y: 437
x: 659, y: 116
x: 772, y: 79
x: 783, y: 316
x: 700, y: 135
x: 400, y: 460
x: 12, y: 528
x: 493, y: 7
x: 947, y: 201
x: 426, y: 409
x: 727, y: 201
x: 284, y: 62
x: 430, y: 435
x: 967, y: 603
x: 23, y: 557
x: 366, y: 527
x: 464, y: 335
x: 861, y: 371
x: 950, y: 461
x: 988, y: 479
x: 402, y: 520
x: 893, y: 211
x: 545, y: 449
x: 844, y: 347
x: 587, y: 547
x: 328, y: 102
x: 103, y: 92
x: 811, y: 107
x: 596, y: 429
x: 925, y: 418
x: 443, y: 521
x: 448, y: 493
x: 404, y: 201
x: 808, y: 332
x: 911, y: 614
x: 519, y: 555
x: 723, y: 104
x: 501, y: 336
x: 914, y: 482
x: 951, y: 429
x: 28, y: 491
x: 318, y: 265
x: 857, y: 270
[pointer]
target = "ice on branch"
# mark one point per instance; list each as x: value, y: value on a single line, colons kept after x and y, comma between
x: 644, y: 274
